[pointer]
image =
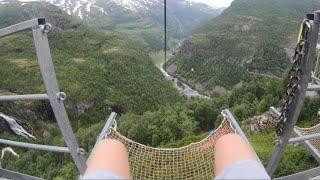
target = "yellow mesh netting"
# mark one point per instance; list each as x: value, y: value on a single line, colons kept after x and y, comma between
x: 312, y: 130
x: 194, y: 161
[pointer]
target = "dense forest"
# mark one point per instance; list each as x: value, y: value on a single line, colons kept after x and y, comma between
x: 122, y: 75
x: 103, y: 71
x: 249, y: 36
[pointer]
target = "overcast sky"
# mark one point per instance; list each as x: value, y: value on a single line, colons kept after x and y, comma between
x: 216, y: 3
x: 213, y: 3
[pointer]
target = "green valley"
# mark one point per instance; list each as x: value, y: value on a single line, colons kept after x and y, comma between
x: 249, y: 36
x: 101, y: 67
x: 107, y: 64
x: 141, y: 19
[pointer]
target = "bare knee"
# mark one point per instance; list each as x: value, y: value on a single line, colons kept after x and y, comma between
x: 229, y: 149
x: 110, y: 155
x: 229, y: 139
x: 113, y: 144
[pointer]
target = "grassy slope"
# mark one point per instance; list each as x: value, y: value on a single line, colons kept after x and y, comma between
x: 250, y: 34
x: 295, y: 159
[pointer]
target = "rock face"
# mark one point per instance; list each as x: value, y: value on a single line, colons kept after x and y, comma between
x: 42, y: 109
x: 15, y: 126
x: 263, y: 122
x: 31, y: 110
x: 4, y: 126
x: 78, y: 107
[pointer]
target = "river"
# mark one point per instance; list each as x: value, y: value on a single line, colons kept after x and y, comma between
x: 184, y: 88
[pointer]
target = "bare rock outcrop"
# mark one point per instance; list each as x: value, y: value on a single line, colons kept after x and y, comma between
x: 263, y: 122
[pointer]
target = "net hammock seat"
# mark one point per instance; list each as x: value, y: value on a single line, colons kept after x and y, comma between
x: 194, y: 161
x: 313, y: 145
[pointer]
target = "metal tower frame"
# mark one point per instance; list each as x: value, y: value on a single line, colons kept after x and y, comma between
x: 40, y: 29
x: 304, y: 139
x: 308, y: 63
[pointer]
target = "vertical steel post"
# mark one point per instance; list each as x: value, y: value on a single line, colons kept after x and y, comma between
x: 293, y: 113
x: 165, y: 34
x: 50, y: 81
x: 316, y: 69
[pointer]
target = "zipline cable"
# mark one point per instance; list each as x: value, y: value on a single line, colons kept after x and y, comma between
x: 165, y: 35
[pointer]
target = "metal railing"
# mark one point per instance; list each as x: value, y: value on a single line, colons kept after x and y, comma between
x: 40, y: 29
x: 28, y: 97
x: 104, y: 132
x: 308, y: 63
x: 300, y: 138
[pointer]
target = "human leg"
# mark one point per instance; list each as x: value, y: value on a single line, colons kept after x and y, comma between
x: 110, y: 156
x: 234, y: 159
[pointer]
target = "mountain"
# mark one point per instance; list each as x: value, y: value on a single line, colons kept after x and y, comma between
x: 97, y: 68
x: 100, y: 71
x: 250, y: 37
x: 140, y: 19
x: 100, y: 12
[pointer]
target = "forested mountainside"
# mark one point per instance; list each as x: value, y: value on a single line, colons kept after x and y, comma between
x: 141, y: 19
x: 250, y: 37
x: 94, y: 66
x: 102, y: 71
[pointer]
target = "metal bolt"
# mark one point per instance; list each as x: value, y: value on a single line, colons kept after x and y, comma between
x: 46, y: 28
x: 61, y: 96
x: 81, y: 151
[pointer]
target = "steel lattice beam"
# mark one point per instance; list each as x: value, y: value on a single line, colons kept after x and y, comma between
x: 308, y: 63
x: 27, y: 97
x: 104, y: 132
x: 22, y: 26
x: 53, y: 94
x: 35, y: 146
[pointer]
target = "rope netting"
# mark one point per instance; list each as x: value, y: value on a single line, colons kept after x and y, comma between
x: 194, y: 161
x: 312, y: 130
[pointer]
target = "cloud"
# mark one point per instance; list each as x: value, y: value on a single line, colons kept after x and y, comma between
x: 28, y: 0
x: 215, y: 3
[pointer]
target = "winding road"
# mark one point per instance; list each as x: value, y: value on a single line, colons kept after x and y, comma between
x: 184, y: 89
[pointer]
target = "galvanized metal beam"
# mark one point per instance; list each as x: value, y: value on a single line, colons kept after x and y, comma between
x: 313, y: 87
x: 308, y: 62
x: 27, y: 97
x: 314, y: 151
x: 5, y: 173
x: 314, y: 77
x: 35, y: 146
x: 275, y: 112
x: 104, y: 132
x: 51, y: 84
x: 304, y: 175
x: 107, y: 126
x: 304, y: 138
x: 21, y: 26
